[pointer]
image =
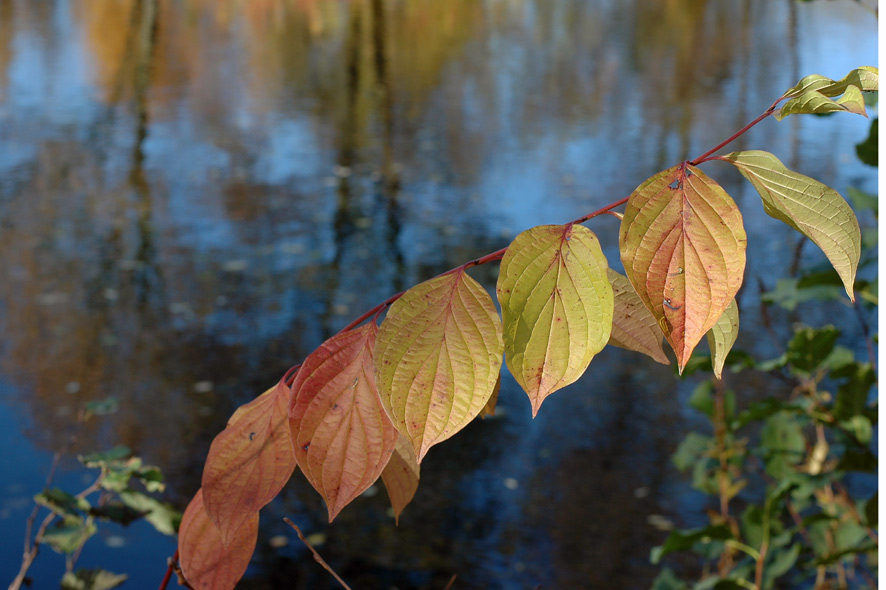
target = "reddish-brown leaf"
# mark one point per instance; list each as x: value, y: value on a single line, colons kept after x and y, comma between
x: 208, y: 563
x: 342, y: 436
x: 633, y: 326
x: 400, y: 476
x: 250, y: 461
x: 683, y: 245
x: 489, y: 409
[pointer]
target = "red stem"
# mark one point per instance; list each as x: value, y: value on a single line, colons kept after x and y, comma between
x: 736, y: 135
x: 169, y: 569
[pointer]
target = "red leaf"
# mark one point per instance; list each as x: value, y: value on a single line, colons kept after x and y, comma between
x: 207, y: 563
x: 250, y: 461
x: 342, y: 436
x: 400, y: 476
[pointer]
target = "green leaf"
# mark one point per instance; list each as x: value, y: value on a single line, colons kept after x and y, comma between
x: 860, y: 428
x: 103, y: 407
x: 692, y: 450
x: 557, y: 307
x: 633, y: 327
x: 813, y: 209
x: 722, y: 336
x: 779, y: 562
x: 702, y: 398
x: 69, y: 536
x: 668, y: 580
x: 784, y: 444
x: 865, y: 78
x: 682, y: 244
x: 870, y: 510
x: 438, y: 357
x: 92, y: 579
x: 116, y: 512
x: 813, y: 102
x: 810, y: 347
x: 151, y: 477
x: 62, y: 503
x: 105, y: 459
x: 852, y: 395
x: 858, y: 460
x: 165, y: 518
x: 683, y: 540
x: 867, y: 150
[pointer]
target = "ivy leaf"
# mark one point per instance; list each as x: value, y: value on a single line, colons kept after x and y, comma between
x: 722, y: 336
x: 683, y: 245
x: 401, y: 475
x: 249, y: 462
x: 557, y: 306
x: 810, y: 207
x: 633, y: 326
x: 341, y: 435
x: 92, y: 579
x: 206, y: 561
x: 437, y: 358
x: 865, y: 78
x: 813, y: 102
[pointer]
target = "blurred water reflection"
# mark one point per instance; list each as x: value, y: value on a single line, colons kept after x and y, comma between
x: 195, y: 193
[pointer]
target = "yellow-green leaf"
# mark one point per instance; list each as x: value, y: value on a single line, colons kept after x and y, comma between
x: 437, y: 358
x: 814, y: 102
x: 557, y: 306
x: 810, y: 207
x: 341, y: 434
x: 249, y: 462
x: 633, y: 326
x: 865, y: 78
x: 722, y: 336
x: 683, y: 246
x: 401, y: 475
x: 208, y: 563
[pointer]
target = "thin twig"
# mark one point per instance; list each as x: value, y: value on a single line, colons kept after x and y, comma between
x: 451, y: 582
x: 317, y: 557
x: 170, y: 566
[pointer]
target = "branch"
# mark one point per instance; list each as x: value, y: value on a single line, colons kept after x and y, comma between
x: 317, y: 557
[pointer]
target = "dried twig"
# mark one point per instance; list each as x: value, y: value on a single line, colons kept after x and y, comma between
x: 317, y: 557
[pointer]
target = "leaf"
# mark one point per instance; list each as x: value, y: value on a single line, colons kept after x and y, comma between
x: 163, y: 516
x: 250, y: 461
x: 489, y: 408
x: 683, y: 245
x: 867, y: 150
x: 400, y: 476
x: 92, y: 579
x: 206, y: 561
x: 668, y: 580
x: 783, y: 443
x: 681, y: 540
x: 852, y: 396
x: 810, y: 347
x: 437, y: 358
x: 813, y: 209
x: 557, y: 307
x: 62, y: 503
x: 633, y: 326
x: 69, y: 536
x: 813, y: 102
x: 116, y: 512
x: 341, y: 435
x: 780, y: 562
x: 865, y: 78
x: 722, y: 336
x: 107, y: 458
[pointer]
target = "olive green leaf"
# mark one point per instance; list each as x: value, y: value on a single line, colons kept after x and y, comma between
x: 813, y: 102
x: 557, y: 306
x: 865, y: 78
x: 722, y: 336
x: 810, y: 207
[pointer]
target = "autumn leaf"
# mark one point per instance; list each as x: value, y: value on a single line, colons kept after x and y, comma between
x: 401, y: 475
x: 341, y: 434
x: 864, y: 78
x: 810, y: 207
x: 633, y: 326
x: 813, y: 102
x: 722, y: 336
x: 437, y: 358
x: 556, y: 304
x: 683, y: 245
x: 206, y: 561
x: 250, y: 461
x: 489, y: 408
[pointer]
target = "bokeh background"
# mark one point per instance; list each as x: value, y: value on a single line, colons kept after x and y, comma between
x: 195, y: 193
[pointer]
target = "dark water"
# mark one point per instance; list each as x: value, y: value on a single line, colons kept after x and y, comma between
x: 195, y: 193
